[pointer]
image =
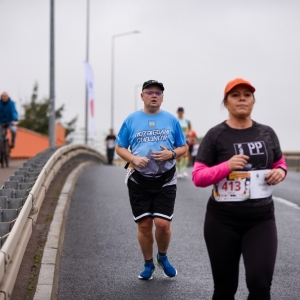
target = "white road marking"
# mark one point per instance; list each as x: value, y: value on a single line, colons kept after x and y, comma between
x: 286, y: 202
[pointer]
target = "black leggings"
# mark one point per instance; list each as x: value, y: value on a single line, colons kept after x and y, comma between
x: 232, y: 231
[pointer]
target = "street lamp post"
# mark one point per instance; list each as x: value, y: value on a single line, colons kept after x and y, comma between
x: 113, y: 71
x: 87, y: 60
x: 136, y: 97
x: 52, y: 78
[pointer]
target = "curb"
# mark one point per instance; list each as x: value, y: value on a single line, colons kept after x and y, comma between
x: 47, y: 286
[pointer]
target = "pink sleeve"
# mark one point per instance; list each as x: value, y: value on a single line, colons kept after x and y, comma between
x: 204, y: 176
x: 280, y: 164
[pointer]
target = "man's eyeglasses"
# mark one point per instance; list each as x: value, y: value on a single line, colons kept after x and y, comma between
x: 151, y: 93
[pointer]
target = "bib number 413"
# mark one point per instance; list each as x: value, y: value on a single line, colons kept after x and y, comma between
x: 231, y: 186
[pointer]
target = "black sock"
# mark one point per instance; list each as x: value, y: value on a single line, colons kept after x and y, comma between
x: 148, y: 261
x: 161, y: 254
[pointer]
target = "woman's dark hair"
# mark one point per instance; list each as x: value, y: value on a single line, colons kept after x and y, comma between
x: 226, y: 96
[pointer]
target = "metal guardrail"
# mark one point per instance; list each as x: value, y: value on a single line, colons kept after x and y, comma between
x: 292, y: 160
x: 293, y: 163
x: 12, y: 252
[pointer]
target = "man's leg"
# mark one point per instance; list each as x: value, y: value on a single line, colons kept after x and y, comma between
x: 145, y: 237
x: 141, y: 204
x: 109, y: 156
x: 162, y: 234
x: 13, y: 130
x: 178, y: 167
x: 163, y: 208
x: 184, y: 163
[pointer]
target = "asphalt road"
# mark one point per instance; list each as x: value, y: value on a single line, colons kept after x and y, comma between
x: 289, y: 189
x: 101, y: 257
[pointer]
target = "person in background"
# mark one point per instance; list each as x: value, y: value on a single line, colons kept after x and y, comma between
x: 155, y: 139
x: 240, y: 218
x: 110, y: 146
x: 191, y: 137
x: 182, y: 162
x: 9, y: 116
x: 194, y: 153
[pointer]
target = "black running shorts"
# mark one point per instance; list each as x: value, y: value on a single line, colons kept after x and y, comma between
x: 153, y: 203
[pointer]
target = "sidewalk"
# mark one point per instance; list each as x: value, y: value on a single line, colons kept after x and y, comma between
x: 14, y: 165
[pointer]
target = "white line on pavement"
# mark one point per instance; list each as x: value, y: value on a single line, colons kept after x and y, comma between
x: 286, y: 202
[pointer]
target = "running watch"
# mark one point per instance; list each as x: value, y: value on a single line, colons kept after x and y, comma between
x: 174, y: 155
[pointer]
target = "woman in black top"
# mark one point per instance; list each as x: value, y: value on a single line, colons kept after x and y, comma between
x: 242, y: 159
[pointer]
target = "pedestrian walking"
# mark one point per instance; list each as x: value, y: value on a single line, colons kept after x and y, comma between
x: 9, y: 116
x: 110, y: 146
x: 182, y: 162
x: 155, y: 139
x: 243, y: 160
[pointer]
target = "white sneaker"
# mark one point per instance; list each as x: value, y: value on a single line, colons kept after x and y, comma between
x: 185, y: 175
x: 179, y: 175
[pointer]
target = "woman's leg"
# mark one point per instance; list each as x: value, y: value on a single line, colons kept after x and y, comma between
x: 259, y: 247
x: 224, y: 248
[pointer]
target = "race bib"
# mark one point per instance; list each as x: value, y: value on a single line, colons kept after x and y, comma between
x: 240, y: 186
x: 259, y: 186
x: 129, y: 172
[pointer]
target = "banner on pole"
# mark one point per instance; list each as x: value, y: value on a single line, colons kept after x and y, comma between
x: 91, y: 104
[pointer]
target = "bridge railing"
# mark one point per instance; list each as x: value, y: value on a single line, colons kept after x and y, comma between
x: 292, y: 160
x: 12, y: 251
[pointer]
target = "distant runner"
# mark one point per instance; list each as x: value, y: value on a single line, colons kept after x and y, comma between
x: 191, y: 136
x: 182, y: 162
x: 110, y: 146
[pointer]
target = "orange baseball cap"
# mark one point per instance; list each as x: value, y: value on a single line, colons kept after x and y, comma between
x: 233, y: 83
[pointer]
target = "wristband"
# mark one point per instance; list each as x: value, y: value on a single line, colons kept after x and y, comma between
x: 174, y: 155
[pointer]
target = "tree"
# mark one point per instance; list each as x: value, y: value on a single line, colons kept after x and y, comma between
x: 36, y: 115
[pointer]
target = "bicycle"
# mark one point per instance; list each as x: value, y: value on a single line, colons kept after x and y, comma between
x: 4, y: 145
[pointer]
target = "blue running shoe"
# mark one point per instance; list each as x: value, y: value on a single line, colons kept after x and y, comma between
x: 163, y: 262
x: 147, y: 273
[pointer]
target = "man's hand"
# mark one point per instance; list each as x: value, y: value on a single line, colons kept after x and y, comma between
x: 165, y: 154
x: 140, y: 162
x: 237, y: 162
x: 275, y: 176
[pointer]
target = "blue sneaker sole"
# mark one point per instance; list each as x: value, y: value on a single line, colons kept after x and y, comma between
x: 143, y: 278
x: 156, y: 261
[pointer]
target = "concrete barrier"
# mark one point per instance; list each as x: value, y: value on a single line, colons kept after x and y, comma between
x: 12, y: 252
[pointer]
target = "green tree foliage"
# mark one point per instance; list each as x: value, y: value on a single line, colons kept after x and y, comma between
x: 36, y: 115
x: 70, y: 127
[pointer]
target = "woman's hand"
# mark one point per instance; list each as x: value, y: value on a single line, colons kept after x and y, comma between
x: 238, y: 162
x: 275, y: 176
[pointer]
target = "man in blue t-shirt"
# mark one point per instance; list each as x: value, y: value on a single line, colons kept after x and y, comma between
x: 155, y: 140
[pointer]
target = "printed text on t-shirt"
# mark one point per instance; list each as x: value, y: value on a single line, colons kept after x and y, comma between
x: 156, y: 135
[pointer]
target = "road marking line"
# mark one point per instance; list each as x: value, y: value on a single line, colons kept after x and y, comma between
x: 287, y: 202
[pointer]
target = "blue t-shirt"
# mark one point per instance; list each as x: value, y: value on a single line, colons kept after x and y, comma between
x: 144, y: 133
x: 184, y: 123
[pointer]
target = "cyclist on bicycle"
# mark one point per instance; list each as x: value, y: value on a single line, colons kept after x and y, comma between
x: 9, y: 116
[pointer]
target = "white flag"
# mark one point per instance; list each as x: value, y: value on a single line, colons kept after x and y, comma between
x: 90, y: 89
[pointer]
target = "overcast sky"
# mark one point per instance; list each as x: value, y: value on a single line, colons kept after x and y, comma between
x: 193, y: 46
